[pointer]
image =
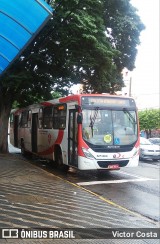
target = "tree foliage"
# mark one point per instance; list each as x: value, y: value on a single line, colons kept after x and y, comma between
x: 149, y: 119
x: 86, y: 41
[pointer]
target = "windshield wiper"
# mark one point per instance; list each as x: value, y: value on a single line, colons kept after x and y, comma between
x: 125, y: 110
x: 92, y: 119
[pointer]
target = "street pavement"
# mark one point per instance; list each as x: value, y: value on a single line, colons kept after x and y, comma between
x: 32, y: 198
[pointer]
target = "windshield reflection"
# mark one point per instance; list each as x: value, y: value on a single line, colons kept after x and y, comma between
x: 109, y: 127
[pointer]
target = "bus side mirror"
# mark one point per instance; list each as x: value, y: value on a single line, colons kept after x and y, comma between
x: 79, y: 118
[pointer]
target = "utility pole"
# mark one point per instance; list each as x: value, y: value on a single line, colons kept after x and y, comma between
x: 130, y: 86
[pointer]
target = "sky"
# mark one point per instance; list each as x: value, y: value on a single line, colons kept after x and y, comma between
x: 145, y: 77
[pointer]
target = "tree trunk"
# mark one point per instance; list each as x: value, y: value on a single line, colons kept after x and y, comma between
x: 4, y: 118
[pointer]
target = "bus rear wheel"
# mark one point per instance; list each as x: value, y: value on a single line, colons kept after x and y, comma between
x: 23, y: 151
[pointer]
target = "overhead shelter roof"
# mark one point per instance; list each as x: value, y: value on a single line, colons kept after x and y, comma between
x: 20, y: 21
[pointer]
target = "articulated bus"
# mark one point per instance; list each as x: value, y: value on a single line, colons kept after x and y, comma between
x: 85, y: 131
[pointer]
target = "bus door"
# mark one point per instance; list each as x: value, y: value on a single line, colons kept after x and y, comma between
x: 34, y: 132
x: 16, y: 122
x: 72, y: 138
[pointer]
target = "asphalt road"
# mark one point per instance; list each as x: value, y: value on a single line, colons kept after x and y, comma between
x: 136, y: 189
x: 33, y: 196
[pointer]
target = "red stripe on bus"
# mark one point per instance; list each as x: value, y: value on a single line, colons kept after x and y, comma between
x: 59, y: 137
x: 50, y: 150
x: 47, y: 152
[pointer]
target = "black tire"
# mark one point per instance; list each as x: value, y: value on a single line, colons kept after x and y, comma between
x: 23, y: 151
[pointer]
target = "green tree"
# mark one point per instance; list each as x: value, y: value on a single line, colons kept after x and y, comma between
x: 149, y: 119
x: 86, y: 41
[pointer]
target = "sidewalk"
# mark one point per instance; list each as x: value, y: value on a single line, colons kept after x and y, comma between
x: 30, y: 197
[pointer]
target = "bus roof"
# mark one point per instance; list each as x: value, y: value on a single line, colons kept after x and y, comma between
x: 77, y: 97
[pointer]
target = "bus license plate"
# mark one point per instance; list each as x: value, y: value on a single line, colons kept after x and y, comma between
x: 114, y: 166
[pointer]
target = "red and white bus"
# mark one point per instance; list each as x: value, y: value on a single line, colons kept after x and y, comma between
x: 85, y: 131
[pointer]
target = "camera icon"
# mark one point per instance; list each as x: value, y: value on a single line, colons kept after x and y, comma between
x: 9, y: 233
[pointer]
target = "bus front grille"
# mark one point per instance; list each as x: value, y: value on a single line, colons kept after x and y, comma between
x: 104, y: 164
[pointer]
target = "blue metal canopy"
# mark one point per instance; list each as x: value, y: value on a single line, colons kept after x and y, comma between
x: 20, y: 21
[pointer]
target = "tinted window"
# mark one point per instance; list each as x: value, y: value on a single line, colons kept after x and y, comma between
x: 24, y: 119
x: 48, y: 118
x: 59, y: 117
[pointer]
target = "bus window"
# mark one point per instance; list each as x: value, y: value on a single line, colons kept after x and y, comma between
x: 59, y: 117
x: 29, y: 118
x: 11, y: 120
x: 47, y: 118
x: 40, y: 125
x: 24, y: 119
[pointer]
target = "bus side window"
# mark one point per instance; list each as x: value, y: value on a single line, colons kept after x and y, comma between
x: 59, y: 117
x: 20, y: 120
x: 24, y: 119
x: 40, y: 117
x: 47, y: 118
x: 11, y: 120
x: 29, y: 118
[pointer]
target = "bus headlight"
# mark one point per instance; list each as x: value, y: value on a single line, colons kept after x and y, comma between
x: 87, y: 153
x: 136, y: 152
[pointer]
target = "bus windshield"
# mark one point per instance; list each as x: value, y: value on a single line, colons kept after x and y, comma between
x: 109, y: 127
